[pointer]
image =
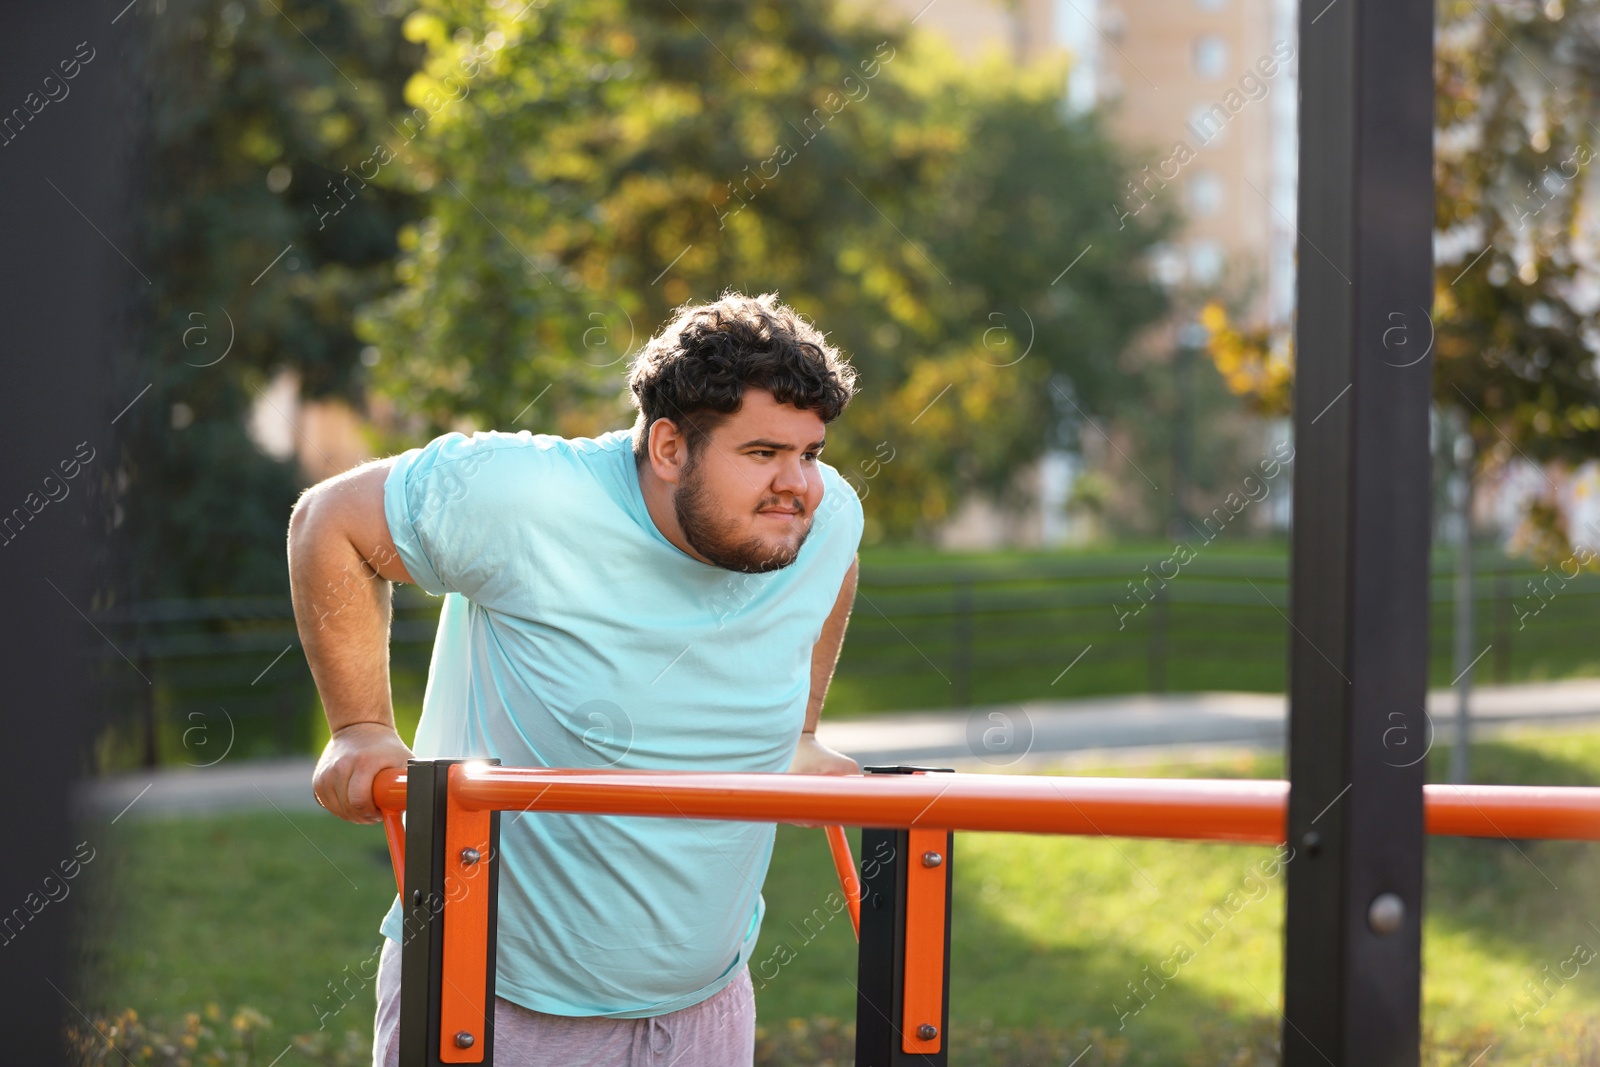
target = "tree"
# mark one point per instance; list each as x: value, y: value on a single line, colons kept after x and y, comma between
x: 607, y: 160
x: 251, y: 133
x: 1516, y: 352
x: 1515, y: 281
x: 1515, y: 285
x: 254, y: 241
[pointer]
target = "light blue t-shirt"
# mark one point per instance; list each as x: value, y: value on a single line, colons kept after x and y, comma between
x: 576, y: 635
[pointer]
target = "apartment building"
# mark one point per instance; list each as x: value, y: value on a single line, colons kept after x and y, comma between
x: 1201, y: 94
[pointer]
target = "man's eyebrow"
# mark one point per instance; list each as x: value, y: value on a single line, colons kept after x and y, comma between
x: 779, y: 446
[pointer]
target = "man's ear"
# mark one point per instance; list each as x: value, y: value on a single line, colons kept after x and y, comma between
x: 668, y: 449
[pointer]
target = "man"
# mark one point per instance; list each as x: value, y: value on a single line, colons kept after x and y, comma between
x: 670, y: 597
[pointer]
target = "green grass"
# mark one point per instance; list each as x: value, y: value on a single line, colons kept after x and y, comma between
x: 267, y: 910
x: 258, y: 908
x: 1052, y: 929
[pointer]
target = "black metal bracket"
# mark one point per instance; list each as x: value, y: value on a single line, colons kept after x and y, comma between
x: 880, y: 968
x: 428, y: 886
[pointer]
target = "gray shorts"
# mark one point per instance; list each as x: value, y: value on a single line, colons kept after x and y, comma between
x: 720, y: 1031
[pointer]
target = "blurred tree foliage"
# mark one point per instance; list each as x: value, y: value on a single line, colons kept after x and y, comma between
x: 254, y: 112
x: 1247, y: 362
x: 1516, y: 351
x: 253, y: 117
x: 1517, y: 280
x: 592, y: 164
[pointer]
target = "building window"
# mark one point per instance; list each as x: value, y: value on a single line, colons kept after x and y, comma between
x: 1205, y: 194
x: 1208, y: 123
x: 1205, y: 261
x: 1166, y: 264
x: 1209, y: 56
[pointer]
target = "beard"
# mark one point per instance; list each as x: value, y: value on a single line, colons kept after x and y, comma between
x: 713, y: 535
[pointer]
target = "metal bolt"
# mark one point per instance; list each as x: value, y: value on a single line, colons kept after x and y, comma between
x: 1312, y: 842
x: 464, y: 1040
x: 416, y: 898
x: 931, y: 859
x: 1386, y: 913
x: 928, y: 1031
x: 469, y: 856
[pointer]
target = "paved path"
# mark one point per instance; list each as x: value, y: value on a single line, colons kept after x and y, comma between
x: 1000, y: 734
x: 1027, y: 736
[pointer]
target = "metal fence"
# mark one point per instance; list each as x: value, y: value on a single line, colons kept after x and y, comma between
x: 189, y: 681
x: 1034, y: 629
x: 187, y: 678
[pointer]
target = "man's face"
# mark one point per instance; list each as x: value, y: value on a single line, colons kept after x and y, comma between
x: 746, y: 501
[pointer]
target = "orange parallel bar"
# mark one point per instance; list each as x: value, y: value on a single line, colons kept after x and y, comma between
x: 1244, y: 811
x: 845, y: 865
x: 1560, y: 813
x: 395, y: 831
x: 1241, y: 811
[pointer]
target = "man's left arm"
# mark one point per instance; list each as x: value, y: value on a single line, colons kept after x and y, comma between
x: 810, y: 755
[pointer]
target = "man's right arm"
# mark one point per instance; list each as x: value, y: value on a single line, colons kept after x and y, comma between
x: 342, y: 562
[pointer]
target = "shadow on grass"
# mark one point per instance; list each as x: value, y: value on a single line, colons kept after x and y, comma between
x: 272, y: 910
x: 1001, y: 978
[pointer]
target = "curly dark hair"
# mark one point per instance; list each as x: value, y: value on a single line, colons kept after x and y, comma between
x: 695, y: 371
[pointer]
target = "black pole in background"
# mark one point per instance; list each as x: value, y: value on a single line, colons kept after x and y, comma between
x: 1359, y: 649
x: 62, y: 169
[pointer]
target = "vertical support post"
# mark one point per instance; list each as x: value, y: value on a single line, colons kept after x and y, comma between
x: 903, y: 974
x: 1191, y: 338
x: 1502, y: 625
x: 1461, y: 751
x: 1158, y: 640
x: 151, y: 754
x: 961, y: 691
x: 70, y: 293
x: 1359, y: 593
x: 449, y: 907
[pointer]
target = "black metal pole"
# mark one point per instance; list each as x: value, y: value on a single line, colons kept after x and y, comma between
x: 422, y: 940
x: 63, y: 301
x: 428, y: 887
x: 1359, y: 649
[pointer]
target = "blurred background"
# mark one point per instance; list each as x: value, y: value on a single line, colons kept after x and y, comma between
x: 1057, y: 238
